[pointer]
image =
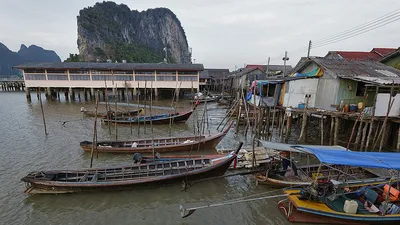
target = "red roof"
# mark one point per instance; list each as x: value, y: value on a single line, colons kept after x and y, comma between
x: 359, y: 55
x: 383, y: 51
x: 252, y: 66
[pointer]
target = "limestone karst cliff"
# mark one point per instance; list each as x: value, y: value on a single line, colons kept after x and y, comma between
x: 111, y: 31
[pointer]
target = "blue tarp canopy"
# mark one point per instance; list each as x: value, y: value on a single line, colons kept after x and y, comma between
x: 385, y: 160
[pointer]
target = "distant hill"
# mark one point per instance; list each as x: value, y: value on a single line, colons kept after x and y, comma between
x: 33, y: 53
x: 110, y: 31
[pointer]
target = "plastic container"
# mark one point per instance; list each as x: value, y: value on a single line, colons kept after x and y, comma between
x: 353, y: 108
x: 360, y: 105
x: 346, y: 108
x: 302, y: 105
x: 350, y: 206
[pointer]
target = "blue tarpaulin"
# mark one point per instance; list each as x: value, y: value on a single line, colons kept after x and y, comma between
x: 385, y: 160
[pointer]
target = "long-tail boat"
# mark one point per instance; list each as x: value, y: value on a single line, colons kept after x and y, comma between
x: 127, y: 177
x: 367, y: 203
x: 166, y: 118
x: 111, y: 114
x: 168, y: 144
x: 276, y: 177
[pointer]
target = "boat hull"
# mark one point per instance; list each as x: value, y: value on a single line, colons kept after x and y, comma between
x: 206, y: 144
x: 51, y: 187
x: 181, y: 118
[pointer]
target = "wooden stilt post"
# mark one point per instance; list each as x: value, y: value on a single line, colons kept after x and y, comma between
x: 398, y: 140
x: 332, y: 127
x: 273, y: 123
x: 336, y: 132
x: 94, y: 143
x: 288, y: 126
x: 115, y: 115
x: 371, y: 128
x: 41, y: 107
x: 303, y: 132
x: 359, y: 133
x: 321, y: 124
x: 364, y: 136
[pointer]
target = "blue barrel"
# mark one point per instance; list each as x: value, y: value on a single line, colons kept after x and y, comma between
x: 353, y: 108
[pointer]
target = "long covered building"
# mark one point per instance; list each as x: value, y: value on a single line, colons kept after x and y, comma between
x: 70, y: 76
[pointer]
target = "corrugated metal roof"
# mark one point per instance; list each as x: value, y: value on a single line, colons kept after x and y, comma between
x: 353, y: 68
x: 111, y: 66
x: 349, y: 55
x: 271, y: 68
x: 214, y: 73
x: 383, y: 51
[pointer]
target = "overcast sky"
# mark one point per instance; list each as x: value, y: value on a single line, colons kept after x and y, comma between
x: 222, y: 33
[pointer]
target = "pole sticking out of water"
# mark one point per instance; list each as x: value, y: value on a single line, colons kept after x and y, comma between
x: 151, y: 119
x: 127, y: 102
x: 138, y: 101
x: 115, y: 114
x: 94, y: 142
x: 145, y: 105
x: 108, y: 108
x: 41, y: 107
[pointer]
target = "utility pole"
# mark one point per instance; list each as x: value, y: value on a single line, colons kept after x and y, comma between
x: 284, y: 63
x: 267, y: 71
x: 309, y: 48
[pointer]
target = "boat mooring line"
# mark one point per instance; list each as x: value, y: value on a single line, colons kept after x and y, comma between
x: 187, y: 212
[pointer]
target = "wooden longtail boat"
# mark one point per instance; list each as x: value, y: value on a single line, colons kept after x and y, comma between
x: 156, y: 119
x: 112, y: 114
x: 367, y: 203
x: 127, y: 177
x: 169, y: 144
x: 355, y: 175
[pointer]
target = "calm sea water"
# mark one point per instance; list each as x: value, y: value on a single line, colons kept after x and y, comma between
x: 24, y: 147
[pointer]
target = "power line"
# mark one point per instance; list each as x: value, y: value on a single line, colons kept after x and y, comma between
x: 353, y: 35
x: 370, y: 27
x: 391, y: 14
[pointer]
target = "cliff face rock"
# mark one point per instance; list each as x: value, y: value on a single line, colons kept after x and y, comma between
x: 33, y: 53
x: 111, y: 31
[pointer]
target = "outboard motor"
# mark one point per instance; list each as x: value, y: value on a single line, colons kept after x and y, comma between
x: 323, y: 187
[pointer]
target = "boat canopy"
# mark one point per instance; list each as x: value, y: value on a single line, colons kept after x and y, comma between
x: 296, y: 148
x: 386, y: 160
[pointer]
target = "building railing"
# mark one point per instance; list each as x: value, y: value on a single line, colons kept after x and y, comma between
x: 89, y: 75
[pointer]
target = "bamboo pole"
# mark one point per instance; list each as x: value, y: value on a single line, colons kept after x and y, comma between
x: 138, y: 108
x: 321, y: 123
x: 94, y: 142
x: 353, y: 130
x: 398, y: 140
x: 115, y: 117
x: 41, y: 107
x: 129, y: 109
x: 364, y: 136
x: 246, y: 110
x: 108, y: 108
x: 273, y: 124
x: 145, y: 105
x: 385, y: 123
x: 288, y: 127
x: 331, y: 130
x: 359, y: 133
x: 151, y: 119
x: 336, y: 132
x: 372, y: 119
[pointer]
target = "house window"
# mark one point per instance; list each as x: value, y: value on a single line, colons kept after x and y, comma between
x: 187, y: 78
x: 123, y: 77
x: 101, y: 77
x: 79, y: 77
x: 144, y: 78
x: 166, y: 78
x: 360, y: 89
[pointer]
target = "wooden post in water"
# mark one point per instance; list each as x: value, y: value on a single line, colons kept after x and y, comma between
x: 41, y: 107
x: 151, y: 119
x: 145, y: 106
x: 288, y: 127
x: 371, y: 127
x: 115, y: 117
x: 94, y: 142
x: 273, y: 124
x: 127, y: 102
x: 390, y: 104
x: 336, y: 132
x: 321, y: 124
x: 108, y: 108
x: 332, y: 127
x: 364, y: 136
x: 359, y: 133
x: 303, y: 132
x: 138, y: 101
